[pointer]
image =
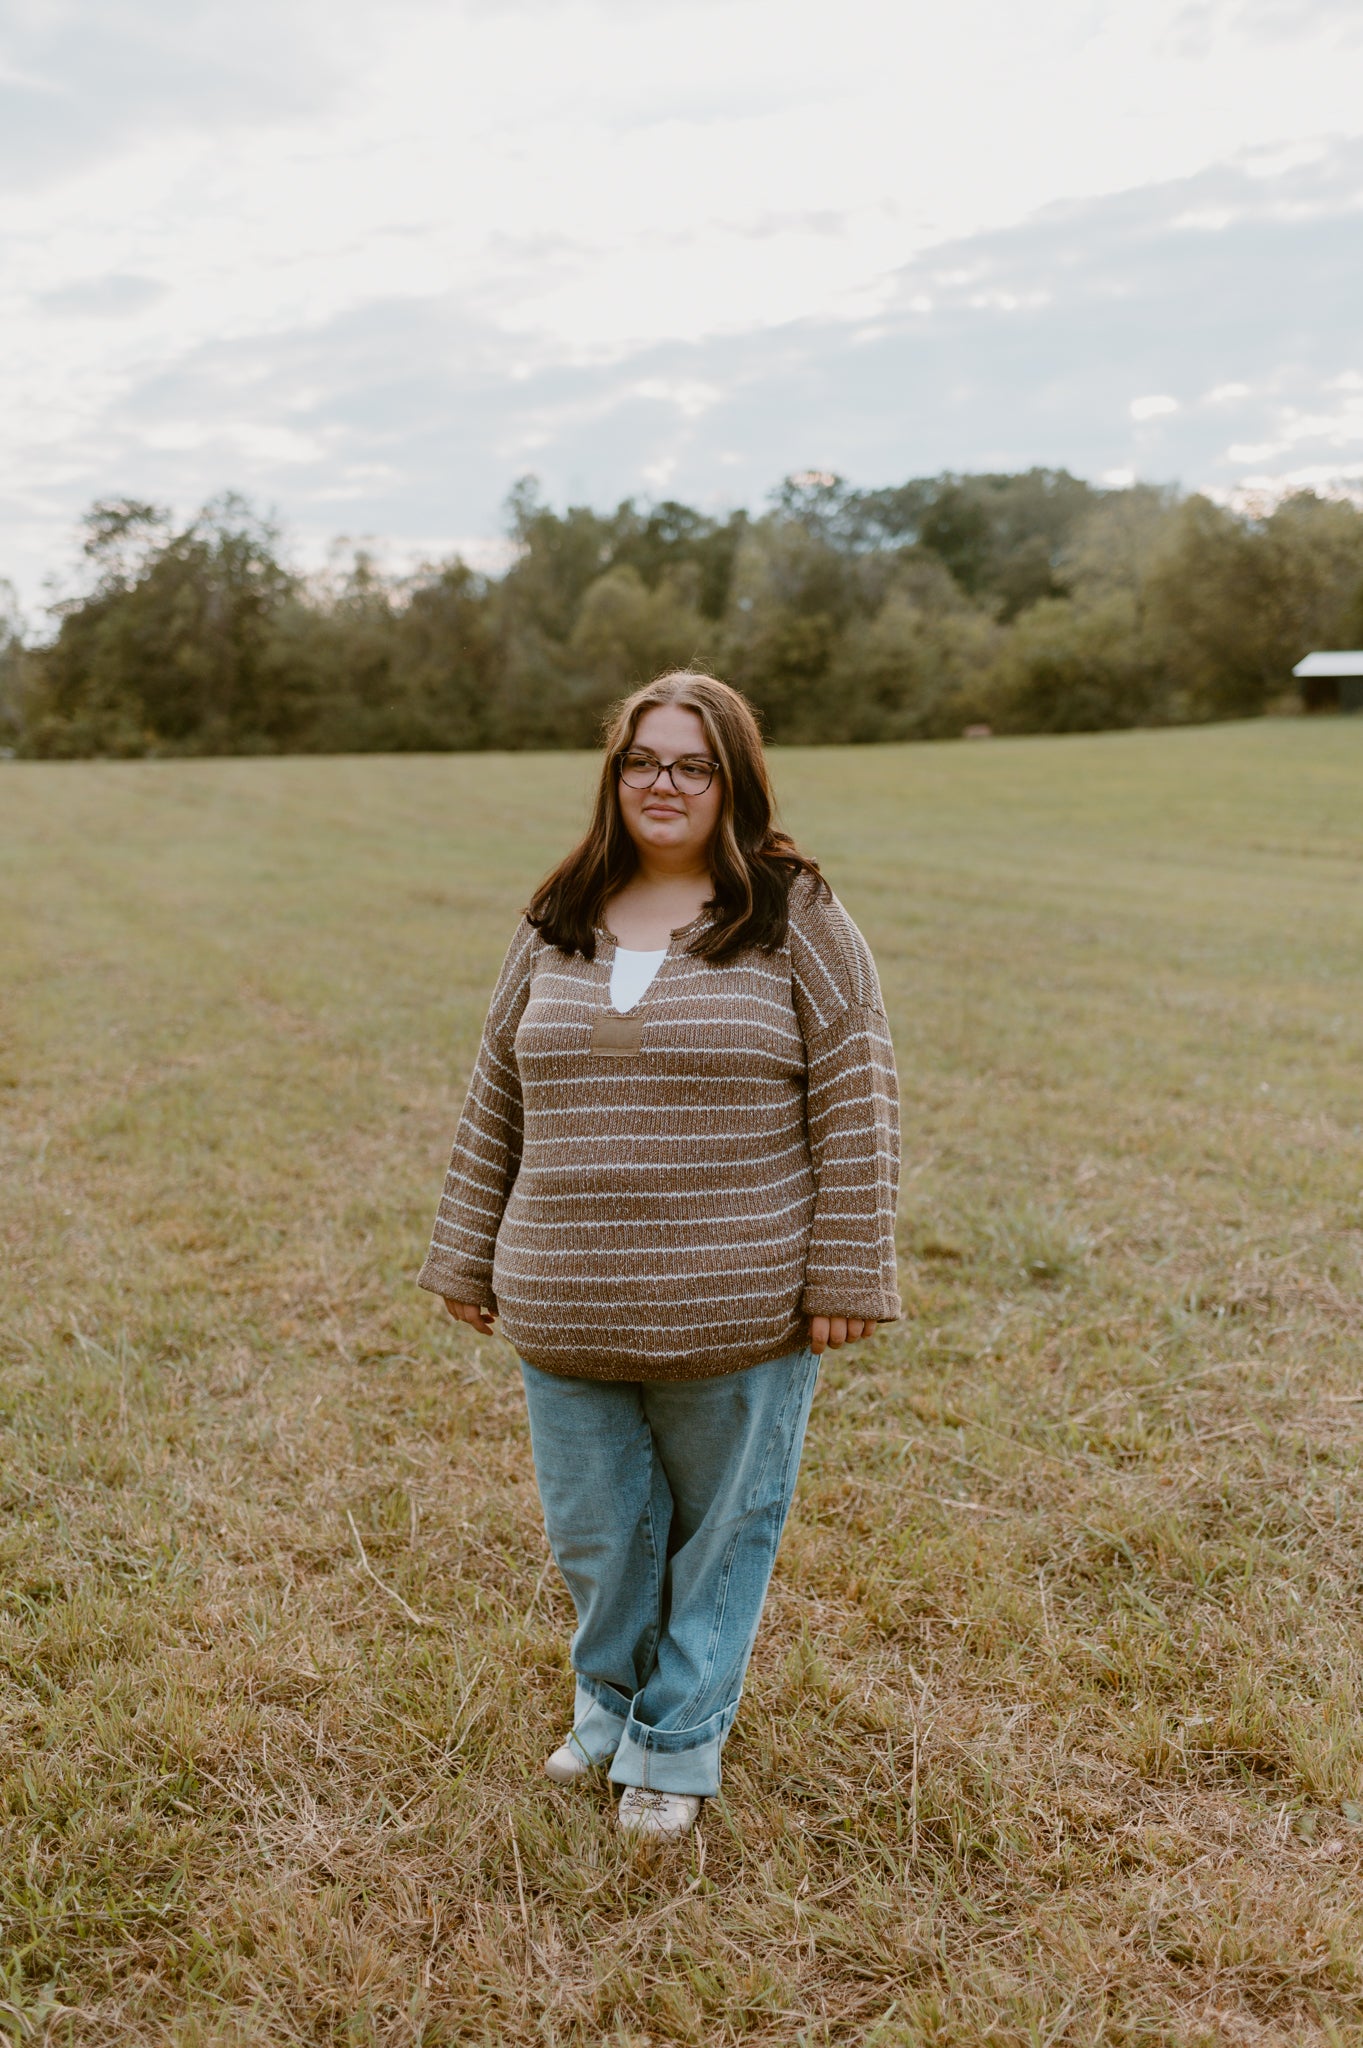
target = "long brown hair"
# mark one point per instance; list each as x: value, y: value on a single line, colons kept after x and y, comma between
x: 753, y: 861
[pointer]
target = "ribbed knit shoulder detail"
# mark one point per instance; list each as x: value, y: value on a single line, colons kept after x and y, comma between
x: 513, y: 984
x: 831, y: 962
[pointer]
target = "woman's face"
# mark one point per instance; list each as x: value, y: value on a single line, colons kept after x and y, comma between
x: 663, y: 821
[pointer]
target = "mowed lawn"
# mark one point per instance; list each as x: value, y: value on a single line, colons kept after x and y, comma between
x: 1054, y: 1733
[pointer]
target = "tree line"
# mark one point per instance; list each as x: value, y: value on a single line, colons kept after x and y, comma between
x: 1029, y: 602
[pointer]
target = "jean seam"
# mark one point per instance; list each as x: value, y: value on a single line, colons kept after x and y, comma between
x: 655, y: 1634
x: 651, y: 1534
x: 717, y: 1626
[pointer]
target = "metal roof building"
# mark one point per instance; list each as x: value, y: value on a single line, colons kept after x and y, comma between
x: 1332, y: 682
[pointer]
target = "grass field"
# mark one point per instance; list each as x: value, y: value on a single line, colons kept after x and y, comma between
x: 1055, y: 1729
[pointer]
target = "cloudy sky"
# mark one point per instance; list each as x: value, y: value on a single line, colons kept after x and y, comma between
x: 370, y: 262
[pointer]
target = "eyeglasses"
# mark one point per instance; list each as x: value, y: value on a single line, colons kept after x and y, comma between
x: 691, y: 776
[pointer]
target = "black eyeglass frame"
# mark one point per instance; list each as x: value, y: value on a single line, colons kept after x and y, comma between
x: 666, y: 768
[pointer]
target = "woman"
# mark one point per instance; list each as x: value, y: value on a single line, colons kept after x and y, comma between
x: 674, y: 1180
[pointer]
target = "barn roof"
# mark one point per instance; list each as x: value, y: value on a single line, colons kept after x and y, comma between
x: 1344, y: 662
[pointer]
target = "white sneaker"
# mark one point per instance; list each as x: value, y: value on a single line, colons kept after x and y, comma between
x: 658, y: 1813
x: 569, y: 1765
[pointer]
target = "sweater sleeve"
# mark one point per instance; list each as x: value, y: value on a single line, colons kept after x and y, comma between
x: 852, y: 1113
x: 487, y: 1146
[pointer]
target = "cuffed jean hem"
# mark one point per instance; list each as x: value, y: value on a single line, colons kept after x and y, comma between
x: 673, y: 1760
x: 597, y: 1730
x: 662, y: 1760
x: 680, y: 1770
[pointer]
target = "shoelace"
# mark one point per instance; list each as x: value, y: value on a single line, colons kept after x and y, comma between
x: 653, y: 1802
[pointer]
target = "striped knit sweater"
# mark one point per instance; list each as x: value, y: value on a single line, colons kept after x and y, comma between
x: 680, y: 1207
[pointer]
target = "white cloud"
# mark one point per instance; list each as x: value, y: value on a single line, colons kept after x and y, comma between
x: 691, y: 396
x: 1209, y: 220
x: 1152, y: 407
x: 1339, y: 427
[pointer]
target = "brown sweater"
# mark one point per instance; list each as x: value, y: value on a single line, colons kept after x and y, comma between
x: 681, y: 1206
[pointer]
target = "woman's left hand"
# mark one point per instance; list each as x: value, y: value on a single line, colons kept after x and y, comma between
x: 830, y: 1333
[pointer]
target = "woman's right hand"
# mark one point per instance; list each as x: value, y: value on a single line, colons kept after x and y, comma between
x: 830, y: 1333
x: 471, y: 1312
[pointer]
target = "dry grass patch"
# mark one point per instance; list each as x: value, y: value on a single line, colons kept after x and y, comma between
x: 1055, y: 1730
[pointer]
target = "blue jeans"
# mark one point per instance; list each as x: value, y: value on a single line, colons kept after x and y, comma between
x: 664, y: 1501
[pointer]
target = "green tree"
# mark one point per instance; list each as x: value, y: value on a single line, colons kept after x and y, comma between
x: 12, y: 668
x: 626, y: 633
x: 330, y: 655
x: 169, y: 647
x: 1115, y: 546
x: 1066, y: 667
x: 673, y: 541
x: 558, y: 558
x: 391, y: 666
x: 1311, y: 549
x: 1002, y: 536
x: 791, y: 595
x: 912, y: 671
x: 1235, y: 601
x: 558, y: 555
x: 448, y: 661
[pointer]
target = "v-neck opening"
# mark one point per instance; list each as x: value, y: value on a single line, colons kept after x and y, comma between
x: 657, y: 955
x: 669, y: 953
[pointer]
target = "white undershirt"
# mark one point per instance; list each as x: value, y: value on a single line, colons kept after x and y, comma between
x: 632, y: 974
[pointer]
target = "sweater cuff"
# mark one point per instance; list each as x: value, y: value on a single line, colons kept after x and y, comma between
x: 445, y: 1276
x: 872, y: 1304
